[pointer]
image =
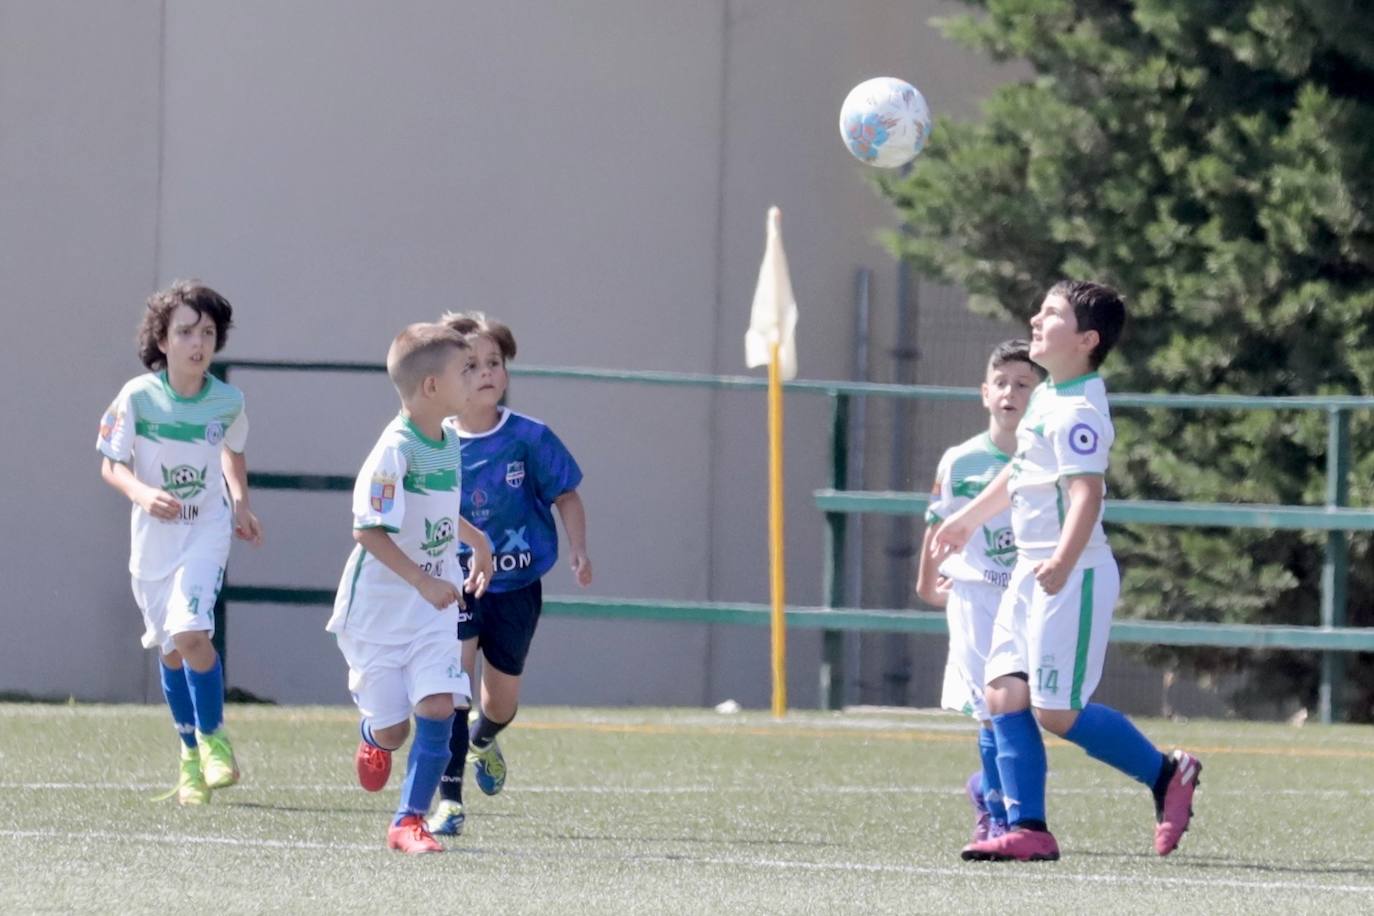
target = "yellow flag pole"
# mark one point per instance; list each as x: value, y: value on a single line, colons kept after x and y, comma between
x: 778, y: 579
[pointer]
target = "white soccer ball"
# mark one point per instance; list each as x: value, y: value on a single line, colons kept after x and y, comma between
x: 884, y: 122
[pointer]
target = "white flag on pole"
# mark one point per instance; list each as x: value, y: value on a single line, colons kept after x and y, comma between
x: 773, y: 317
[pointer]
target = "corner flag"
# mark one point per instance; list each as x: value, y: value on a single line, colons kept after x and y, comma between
x: 773, y: 318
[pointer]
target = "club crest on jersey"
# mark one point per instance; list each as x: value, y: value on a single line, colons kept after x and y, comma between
x: 1083, y: 439
x: 214, y: 432
x: 382, y: 495
x: 515, y: 474
x: 1000, y: 546
x: 438, y: 536
x: 183, y: 481
x: 108, y: 424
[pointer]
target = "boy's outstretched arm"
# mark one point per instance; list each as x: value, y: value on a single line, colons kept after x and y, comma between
x: 246, y: 524
x: 480, y: 568
x: 438, y: 592
x: 1086, y: 492
x: 574, y: 516
x: 157, y: 503
x: 956, y: 530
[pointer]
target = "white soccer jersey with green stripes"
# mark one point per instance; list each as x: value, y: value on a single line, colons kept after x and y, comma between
x: 965, y: 470
x: 1066, y: 432
x: 409, y: 486
x: 174, y: 444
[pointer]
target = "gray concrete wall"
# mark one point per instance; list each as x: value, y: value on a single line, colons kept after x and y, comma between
x: 595, y: 173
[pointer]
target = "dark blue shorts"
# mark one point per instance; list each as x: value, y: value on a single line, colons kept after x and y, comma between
x: 503, y: 623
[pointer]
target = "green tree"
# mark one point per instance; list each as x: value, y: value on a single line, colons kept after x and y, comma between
x: 1214, y: 159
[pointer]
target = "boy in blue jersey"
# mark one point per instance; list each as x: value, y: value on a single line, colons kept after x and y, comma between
x: 172, y: 442
x: 516, y: 471
x: 1050, y: 636
x: 399, y: 595
x: 969, y: 584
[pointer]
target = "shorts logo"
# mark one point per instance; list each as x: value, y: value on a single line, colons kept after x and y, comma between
x: 438, y: 536
x: 382, y: 496
x: 214, y: 432
x: 1083, y: 439
x: 183, y: 481
x: 515, y: 474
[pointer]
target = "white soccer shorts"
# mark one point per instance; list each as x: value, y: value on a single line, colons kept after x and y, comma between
x: 1059, y: 641
x: 183, y: 602
x: 971, y: 611
x: 388, y: 681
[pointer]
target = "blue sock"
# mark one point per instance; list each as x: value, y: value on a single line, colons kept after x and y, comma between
x: 1021, y: 764
x: 1109, y: 736
x: 178, y: 695
x: 992, y: 780
x: 207, y: 692
x: 428, y: 756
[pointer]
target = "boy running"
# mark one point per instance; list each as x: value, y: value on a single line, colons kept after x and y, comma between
x: 969, y: 584
x: 172, y: 442
x: 1050, y: 637
x: 397, y: 605
x: 517, y: 472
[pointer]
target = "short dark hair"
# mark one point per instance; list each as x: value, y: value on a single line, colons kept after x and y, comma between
x: 152, y: 330
x: 477, y: 324
x: 1014, y: 351
x: 419, y: 351
x: 1096, y: 307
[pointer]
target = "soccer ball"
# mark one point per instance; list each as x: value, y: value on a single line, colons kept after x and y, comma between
x: 884, y: 122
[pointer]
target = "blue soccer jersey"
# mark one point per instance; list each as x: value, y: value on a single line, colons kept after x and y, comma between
x: 511, y: 475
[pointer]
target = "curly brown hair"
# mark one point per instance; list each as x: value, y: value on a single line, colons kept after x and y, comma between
x: 477, y: 324
x: 152, y: 330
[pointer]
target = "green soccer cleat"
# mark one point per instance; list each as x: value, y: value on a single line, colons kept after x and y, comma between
x: 447, y: 819
x: 489, y: 768
x: 190, y: 788
x: 217, y: 760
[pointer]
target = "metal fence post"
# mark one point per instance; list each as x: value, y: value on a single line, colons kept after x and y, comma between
x: 1336, y: 564
x: 832, y: 641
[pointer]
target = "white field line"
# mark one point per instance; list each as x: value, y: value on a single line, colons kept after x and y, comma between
x: 1042, y: 874
x: 752, y: 789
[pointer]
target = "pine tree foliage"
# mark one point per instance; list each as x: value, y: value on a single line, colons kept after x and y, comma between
x: 1214, y: 159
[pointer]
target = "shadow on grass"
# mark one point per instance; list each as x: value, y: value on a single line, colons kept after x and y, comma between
x: 1297, y: 867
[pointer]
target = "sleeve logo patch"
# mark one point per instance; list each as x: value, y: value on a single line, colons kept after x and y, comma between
x: 383, y: 493
x: 1083, y: 439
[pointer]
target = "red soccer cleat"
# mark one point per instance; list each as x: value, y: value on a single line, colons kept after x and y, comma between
x: 412, y: 837
x: 1015, y: 845
x: 1176, y: 810
x: 374, y: 766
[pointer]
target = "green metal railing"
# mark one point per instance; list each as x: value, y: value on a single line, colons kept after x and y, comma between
x: 1331, y: 637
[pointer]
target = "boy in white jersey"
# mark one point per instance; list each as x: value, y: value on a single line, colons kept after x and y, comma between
x: 969, y: 584
x: 395, y: 614
x: 1050, y: 636
x: 171, y: 442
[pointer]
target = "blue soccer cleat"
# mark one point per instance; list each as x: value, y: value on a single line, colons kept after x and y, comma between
x: 488, y: 768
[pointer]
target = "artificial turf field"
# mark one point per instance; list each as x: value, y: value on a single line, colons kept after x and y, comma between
x: 668, y: 811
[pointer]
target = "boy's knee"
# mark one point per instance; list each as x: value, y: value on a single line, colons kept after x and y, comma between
x: 195, y: 648
x: 435, y: 706
x: 1056, y: 721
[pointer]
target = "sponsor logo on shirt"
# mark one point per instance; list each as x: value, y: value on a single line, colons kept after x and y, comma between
x: 515, y: 474
x: 382, y: 495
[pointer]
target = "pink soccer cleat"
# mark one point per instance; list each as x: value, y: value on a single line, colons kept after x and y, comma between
x: 412, y: 837
x: 1176, y: 810
x: 374, y: 766
x: 1014, y: 845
